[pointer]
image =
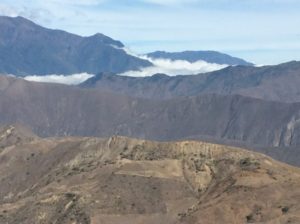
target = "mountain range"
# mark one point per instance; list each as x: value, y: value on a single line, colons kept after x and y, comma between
x: 273, y: 83
x: 29, y: 49
x: 229, y: 106
x: 60, y: 110
x: 158, y: 149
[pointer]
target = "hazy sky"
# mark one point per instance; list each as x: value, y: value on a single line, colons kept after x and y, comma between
x: 261, y: 31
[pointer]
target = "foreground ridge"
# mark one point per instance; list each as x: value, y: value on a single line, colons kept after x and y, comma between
x: 123, y: 180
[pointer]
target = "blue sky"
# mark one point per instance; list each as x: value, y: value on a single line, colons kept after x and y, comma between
x: 261, y: 31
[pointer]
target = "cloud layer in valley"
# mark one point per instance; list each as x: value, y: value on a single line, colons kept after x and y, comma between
x: 162, y: 66
x: 172, y: 67
x: 74, y: 79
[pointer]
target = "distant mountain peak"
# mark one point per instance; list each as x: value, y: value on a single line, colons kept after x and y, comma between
x: 159, y: 76
x: 23, y: 19
x: 17, y: 21
x: 106, y: 40
x: 30, y: 49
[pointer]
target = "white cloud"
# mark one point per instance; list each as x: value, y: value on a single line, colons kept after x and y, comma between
x: 74, y: 79
x: 177, y: 67
x: 171, y: 2
x: 164, y: 66
x: 78, y: 2
x: 219, y: 2
x: 171, y: 67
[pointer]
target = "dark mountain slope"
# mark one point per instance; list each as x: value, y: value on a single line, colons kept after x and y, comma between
x: 55, y: 110
x: 27, y: 49
x: 276, y: 83
x: 193, y: 56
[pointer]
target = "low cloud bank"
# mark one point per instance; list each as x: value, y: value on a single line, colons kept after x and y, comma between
x: 171, y: 67
x: 177, y: 67
x: 74, y: 79
x: 165, y: 66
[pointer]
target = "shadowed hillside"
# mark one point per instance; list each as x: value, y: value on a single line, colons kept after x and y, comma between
x: 275, y: 83
x: 58, y: 110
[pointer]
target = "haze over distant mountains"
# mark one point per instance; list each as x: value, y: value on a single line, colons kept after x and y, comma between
x: 29, y: 49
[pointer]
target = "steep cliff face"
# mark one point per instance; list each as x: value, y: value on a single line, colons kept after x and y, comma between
x: 122, y: 180
x: 292, y: 130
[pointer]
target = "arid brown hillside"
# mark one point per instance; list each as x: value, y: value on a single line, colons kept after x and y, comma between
x: 120, y: 180
x: 15, y: 134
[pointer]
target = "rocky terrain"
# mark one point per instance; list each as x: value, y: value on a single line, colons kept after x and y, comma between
x: 15, y: 134
x: 122, y: 180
